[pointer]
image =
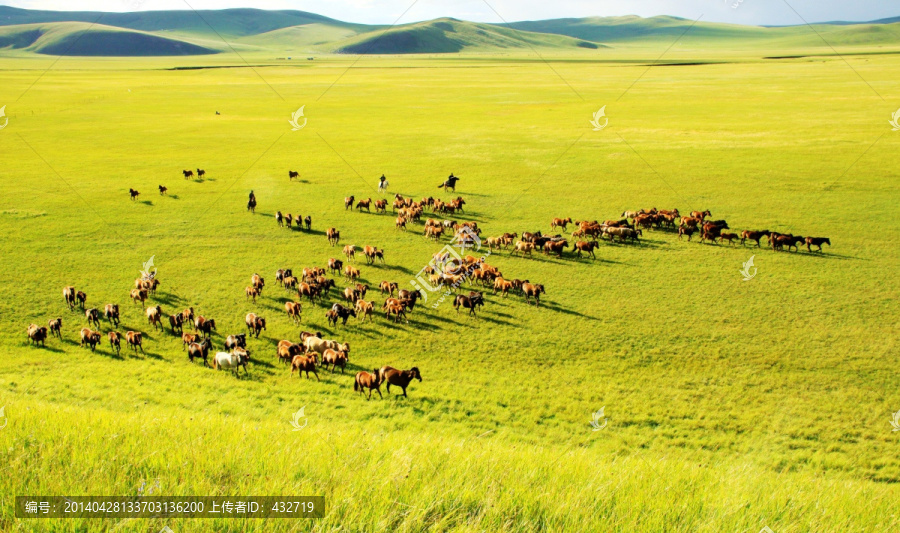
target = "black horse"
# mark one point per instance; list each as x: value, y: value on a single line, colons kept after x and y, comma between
x: 339, y: 312
x: 469, y: 302
x: 450, y: 184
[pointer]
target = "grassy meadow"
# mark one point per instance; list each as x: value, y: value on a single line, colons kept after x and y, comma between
x: 732, y: 405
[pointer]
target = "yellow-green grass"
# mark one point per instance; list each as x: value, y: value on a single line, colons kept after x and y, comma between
x: 731, y: 405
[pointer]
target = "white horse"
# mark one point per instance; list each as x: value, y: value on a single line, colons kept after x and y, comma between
x: 383, y: 186
x: 231, y: 361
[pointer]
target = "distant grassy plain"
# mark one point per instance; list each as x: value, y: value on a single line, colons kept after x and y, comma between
x: 731, y: 405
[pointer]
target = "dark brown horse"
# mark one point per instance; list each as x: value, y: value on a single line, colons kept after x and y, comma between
x: 400, y: 378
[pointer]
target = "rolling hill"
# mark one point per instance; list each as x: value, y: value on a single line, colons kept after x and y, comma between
x: 186, y: 32
x: 449, y: 35
x: 82, y: 39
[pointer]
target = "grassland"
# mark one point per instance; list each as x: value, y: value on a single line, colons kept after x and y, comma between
x: 731, y: 405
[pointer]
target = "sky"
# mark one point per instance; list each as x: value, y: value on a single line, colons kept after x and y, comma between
x: 755, y: 12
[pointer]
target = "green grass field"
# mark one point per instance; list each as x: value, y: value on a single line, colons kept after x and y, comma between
x: 731, y: 405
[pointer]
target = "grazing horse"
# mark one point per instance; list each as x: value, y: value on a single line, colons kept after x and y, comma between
x: 287, y: 350
x: 154, y: 316
x: 701, y: 215
x: 205, y: 326
x: 39, y: 334
x: 335, y: 358
x: 252, y: 292
x: 351, y: 273
x: 200, y: 351
x: 469, y: 302
x: 176, y: 322
x: 91, y: 338
x: 400, y: 378
x: 372, y: 253
x: 188, y: 173
x: 339, y: 312
x: 686, y: 230
x: 232, y: 361
x: 163, y: 190
x: 69, y: 296
x: 587, y: 247
x: 134, y: 194
x: 753, y: 236
x: 368, y: 380
x: 135, y: 340
x: 293, y: 310
x: 730, y: 237
x: 535, y: 290
x: 334, y: 236
x: 364, y: 310
x: 235, y: 341
x: 348, y: 202
x: 560, y: 223
x: 56, y: 327
x: 255, y: 324
x: 388, y: 287
x: 304, y: 363
x: 817, y: 241
x: 450, y: 184
x: 114, y: 342
x: 292, y: 175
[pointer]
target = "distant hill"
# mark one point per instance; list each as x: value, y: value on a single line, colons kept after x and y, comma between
x: 450, y: 36
x: 631, y: 28
x: 227, y: 22
x: 82, y: 39
x: 186, y: 32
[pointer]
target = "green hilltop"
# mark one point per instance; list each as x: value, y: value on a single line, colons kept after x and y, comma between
x: 186, y: 32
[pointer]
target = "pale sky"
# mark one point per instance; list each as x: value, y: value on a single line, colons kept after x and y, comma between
x: 771, y: 12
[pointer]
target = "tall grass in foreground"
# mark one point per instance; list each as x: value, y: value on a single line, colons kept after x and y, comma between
x: 374, y: 480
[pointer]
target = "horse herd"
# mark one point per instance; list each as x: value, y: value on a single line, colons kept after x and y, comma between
x: 311, y: 352
x: 445, y: 272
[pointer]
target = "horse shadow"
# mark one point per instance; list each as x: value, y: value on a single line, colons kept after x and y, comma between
x: 167, y: 298
x: 146, y: 202
x: 547, y: 305
x: 48, y: 348
x: 173, y: 196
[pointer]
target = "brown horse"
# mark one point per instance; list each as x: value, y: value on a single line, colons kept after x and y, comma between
x: 753, y: 236
x: 335, y: 358
x: 817, y: 241
x: 533, y: 290
x: 304, y: 363
x: 368, y: 380
x: 400, y: 378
